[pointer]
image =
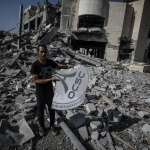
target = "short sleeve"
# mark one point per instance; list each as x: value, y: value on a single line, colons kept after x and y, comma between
x: 54, y: 64
x: 34, y: 69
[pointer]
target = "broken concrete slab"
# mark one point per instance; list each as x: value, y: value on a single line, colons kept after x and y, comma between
x: 143, y: 114
x: 49, y: 36
x: 117, y: 116
x: 83, y: 134
x: 11, y: 63
x: 14, y: 135
x: 95, y: 135
x: 104, y: 131
x: 90, y: 95
x: 109, y: 110
x: 90, y: 108
x: 76, y: 120
x: 103, y: 141
x: 19, y: 88
x: 146, y: 128
x: 95, y: 125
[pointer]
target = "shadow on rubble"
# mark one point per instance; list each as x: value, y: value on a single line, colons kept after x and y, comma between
x: 124, y: 124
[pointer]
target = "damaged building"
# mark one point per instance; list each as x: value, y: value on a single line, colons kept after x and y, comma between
x: 108, y: 30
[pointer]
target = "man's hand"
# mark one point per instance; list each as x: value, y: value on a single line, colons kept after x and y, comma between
x: 54, y: 80
x: 65, y: 67
x: 70, y: 66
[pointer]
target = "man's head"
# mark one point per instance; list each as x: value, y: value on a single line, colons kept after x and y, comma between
x: 42, y: 51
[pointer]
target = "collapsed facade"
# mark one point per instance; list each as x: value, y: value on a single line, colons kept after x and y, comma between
x: 108, y: 30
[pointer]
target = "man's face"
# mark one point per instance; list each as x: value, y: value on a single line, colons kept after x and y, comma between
x: 42, y: 52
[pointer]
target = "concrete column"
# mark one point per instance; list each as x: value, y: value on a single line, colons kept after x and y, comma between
x: 20, y: 25
x: 29, y: 26
x: 36, y: 21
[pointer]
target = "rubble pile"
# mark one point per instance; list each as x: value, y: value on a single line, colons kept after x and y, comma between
x: 115, y: 113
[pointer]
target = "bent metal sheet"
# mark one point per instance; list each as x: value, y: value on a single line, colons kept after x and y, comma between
x: 70, y: 90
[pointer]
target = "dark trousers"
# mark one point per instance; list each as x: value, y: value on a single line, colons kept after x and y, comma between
x: 45, y: 97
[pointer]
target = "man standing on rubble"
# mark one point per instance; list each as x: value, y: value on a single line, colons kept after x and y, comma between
x: 42, y: 75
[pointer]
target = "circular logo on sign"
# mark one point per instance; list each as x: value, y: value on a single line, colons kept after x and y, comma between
x: 70, y: 90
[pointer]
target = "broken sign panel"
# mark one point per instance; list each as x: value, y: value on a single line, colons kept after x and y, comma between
x: 70, y: 90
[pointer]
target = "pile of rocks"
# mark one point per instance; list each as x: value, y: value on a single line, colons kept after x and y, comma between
x: 115, y: 113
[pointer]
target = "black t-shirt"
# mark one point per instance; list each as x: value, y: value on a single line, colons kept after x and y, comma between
x: 44, y: 72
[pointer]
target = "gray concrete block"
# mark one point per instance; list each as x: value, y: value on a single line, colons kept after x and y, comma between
x: 83, y: 133
x: 19, y: 88
x: 95, y: 125
x: 109, y: 110
x: 85, y: 100
x: 99, y: 111
x: 104, y: 131
x: 69, y: 114
x: 143, y: 114
x: 146, y: 128
x: 90, y: 95
x: 90, y: 108
x: 103, y: 141
x: 117, y: 116
x: 95, y: 135
x: 76, y: 120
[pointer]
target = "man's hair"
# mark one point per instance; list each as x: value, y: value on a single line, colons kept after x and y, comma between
x: 41, y: 45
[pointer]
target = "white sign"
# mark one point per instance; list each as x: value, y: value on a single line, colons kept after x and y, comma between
x: 70, y: 90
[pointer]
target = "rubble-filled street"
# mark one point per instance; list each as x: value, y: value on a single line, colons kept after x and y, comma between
x: 112, y: 111
x: 115, y: 113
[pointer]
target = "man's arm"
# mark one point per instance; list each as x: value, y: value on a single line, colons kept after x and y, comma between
x: 64, y: 67
x: 42, y: 81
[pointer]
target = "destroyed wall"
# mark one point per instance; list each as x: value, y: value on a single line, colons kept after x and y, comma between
x: 143, y: 30
x: 114, y: 29
x: 127, y: 25
x: 76, y: 19
x: 65, y: 23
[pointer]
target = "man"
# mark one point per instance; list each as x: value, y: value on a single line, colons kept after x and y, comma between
x: 42, y: 75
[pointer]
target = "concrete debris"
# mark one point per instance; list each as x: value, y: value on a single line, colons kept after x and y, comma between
x: 117, y: 116
x: 14, y: 135
x: 104, y: 131
x: 116, y: 102
x: 84, y: 136
x: 90, y: 108
x: 76, y: 120
x: 146, y: 128
x: 95, y: 125
x: 95, y: 135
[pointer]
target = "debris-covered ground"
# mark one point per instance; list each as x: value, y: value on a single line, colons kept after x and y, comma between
x: 115, y: 113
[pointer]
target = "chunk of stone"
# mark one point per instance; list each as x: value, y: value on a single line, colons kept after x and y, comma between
x: 117, y: 116
x: 95, y: 125
x: 103, y: 141
x: 90, y: 95
x: 69, y: 114
x: 92, y: 82
x: 97, y: 88
x: 147, y: 100
x: 109, y: 110
x: 28, y: 100
x: 143, y: 114
x: 83, y: 134
x: 95, y: 135
x: 118, y: 94
x: 104, y: 131
x: 77, y: 120
x: 19, y: 88
x: 146, y: 128
x: 90, y: 108
x: 99, y: 111
x: 85, y: 100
